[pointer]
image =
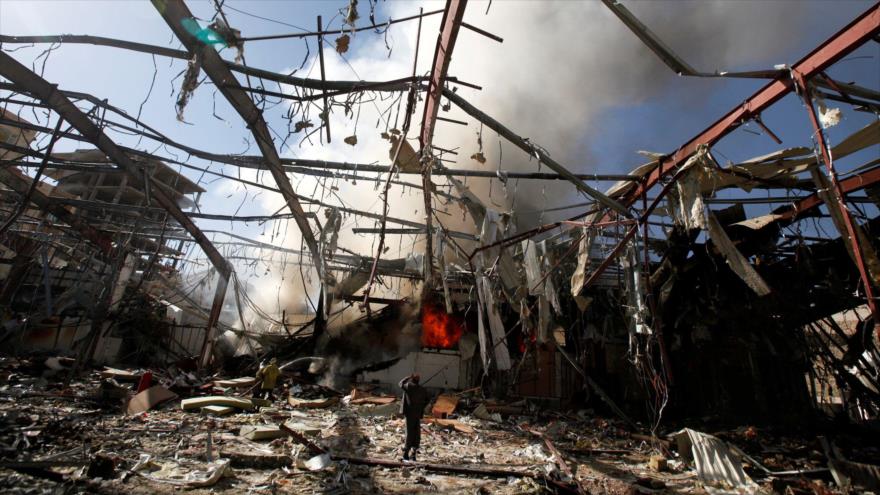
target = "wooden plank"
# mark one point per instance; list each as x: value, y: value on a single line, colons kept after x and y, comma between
x: 149, y: 399
x: 120, y: 375
x: 444, y: 405
x: 452, y: 424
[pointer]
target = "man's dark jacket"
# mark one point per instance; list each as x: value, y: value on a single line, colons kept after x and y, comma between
x: 415, y: 398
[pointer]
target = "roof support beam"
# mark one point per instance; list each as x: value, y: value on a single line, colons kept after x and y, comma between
x: 297, y: 165
x: 535, y: 151
x: 855, y: 183
x: 864, y: 255
x: 341, y: 86
x: 449, y: 27
x: 175, y: 12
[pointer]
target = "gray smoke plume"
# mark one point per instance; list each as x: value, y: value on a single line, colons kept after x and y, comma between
x: 367, y: 343
x: 563, y: 66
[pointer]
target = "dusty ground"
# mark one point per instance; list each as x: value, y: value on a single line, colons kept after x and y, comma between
x: 39, y: 418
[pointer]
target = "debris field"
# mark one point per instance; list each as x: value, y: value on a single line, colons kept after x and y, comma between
x: 240, y: 242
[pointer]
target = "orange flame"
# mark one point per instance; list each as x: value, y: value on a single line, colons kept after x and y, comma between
x: 440, y: 329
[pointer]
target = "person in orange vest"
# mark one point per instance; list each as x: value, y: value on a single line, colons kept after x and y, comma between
x: 268, y: 376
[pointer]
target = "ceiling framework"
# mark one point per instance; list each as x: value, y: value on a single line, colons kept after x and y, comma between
x: 610, y: 240
x: 860, y: 31
x: 27, y: 81
x: 175, y: 14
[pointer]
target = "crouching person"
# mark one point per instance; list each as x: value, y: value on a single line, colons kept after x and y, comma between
x: 267, y: 377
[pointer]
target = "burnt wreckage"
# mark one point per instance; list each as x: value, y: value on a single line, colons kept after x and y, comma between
x: 687, y: 290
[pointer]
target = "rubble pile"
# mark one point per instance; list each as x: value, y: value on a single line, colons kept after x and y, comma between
x: 80, y: 436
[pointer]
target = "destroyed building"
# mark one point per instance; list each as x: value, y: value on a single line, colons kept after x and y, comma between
x: 437, y: 190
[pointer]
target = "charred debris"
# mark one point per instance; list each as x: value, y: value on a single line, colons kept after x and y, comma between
x: 693, y: 325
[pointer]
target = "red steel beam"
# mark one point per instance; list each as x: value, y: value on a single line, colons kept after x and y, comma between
x: 449, y: 28
x: 851, y: 184
x: 851, y: 227
x: 859, y: 31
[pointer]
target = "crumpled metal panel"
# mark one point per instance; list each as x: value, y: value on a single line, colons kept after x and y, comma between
x: 716, y: 466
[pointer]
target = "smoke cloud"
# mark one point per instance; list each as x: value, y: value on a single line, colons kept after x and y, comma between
x: 563, y: 66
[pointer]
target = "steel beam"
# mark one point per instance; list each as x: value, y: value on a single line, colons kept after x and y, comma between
x: 297, y: 165
x: 175, y: 12
x: 449, y: 27
x: 535, y: 151
x: 341, y: 86
x: 855, y: 183
x: 850, y: 226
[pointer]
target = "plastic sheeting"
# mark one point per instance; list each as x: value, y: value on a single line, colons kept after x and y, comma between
x: 583, y: 263
x: 532, y: 268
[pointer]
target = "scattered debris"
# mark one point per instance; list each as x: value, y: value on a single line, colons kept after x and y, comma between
x: 302, y: 124
x: 559, y: 342
x: 261, y: 432
x: 318, y: 462
x: 657, y: 463
x: 186, y: 474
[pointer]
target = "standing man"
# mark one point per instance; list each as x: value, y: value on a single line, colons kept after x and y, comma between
x: 415, y: 398
x: 268, y: 375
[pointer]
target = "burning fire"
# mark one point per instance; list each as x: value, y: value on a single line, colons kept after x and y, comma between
x: 440, y: 329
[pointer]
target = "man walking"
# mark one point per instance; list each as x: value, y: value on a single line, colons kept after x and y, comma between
x: 415, y: 398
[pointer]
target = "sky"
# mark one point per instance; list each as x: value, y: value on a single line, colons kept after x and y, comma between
x: 569, y: 75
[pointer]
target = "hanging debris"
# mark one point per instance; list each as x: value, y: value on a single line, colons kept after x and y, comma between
x: 342, y: 44
x: 189, y: 84
x: 351, y: 15
x: 231, y: 37
x: 302, y: 124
